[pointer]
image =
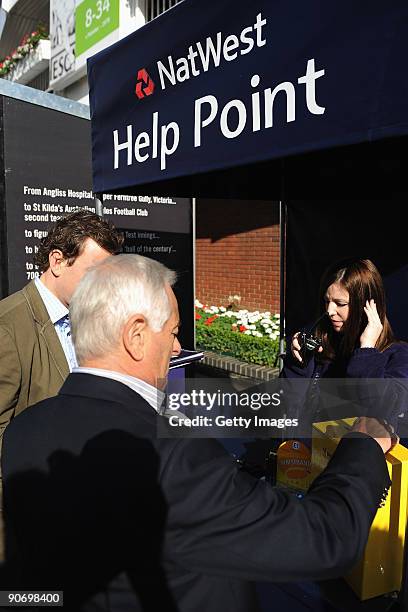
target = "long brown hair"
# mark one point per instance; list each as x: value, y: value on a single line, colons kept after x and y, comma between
x: 363, y: 282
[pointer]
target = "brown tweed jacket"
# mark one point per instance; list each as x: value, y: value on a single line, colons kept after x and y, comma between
x: 33, y: 365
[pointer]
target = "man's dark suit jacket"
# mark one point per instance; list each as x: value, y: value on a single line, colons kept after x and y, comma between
x: 99, y: 507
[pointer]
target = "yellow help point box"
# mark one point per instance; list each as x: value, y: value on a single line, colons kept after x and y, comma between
x: 380, y: 569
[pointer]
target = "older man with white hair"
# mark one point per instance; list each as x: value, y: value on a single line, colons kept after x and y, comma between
x: 99, y: 506
x: 129, y: 299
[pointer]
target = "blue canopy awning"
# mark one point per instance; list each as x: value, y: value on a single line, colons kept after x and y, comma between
x: 209, y: 86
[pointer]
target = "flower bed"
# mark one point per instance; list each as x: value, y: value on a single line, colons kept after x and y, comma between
x: 248, y: 336
x: 29, y: 42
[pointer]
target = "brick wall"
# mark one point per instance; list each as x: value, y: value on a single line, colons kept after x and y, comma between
x: 237, y: 252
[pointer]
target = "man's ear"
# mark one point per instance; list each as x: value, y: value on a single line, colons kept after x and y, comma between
x: 134, y: 336
x: 57, y: 261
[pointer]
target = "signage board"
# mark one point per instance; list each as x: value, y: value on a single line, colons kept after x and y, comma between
x: 62, y: 35
x: 209, y: 86
x: 78, y: 29
x: 53, y: 178
x: 94, y: 20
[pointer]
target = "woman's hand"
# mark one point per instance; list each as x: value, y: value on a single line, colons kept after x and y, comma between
x: 372, y: 332
x: 295, y: 348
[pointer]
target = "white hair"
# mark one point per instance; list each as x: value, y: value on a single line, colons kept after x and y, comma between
x: 111, y: 292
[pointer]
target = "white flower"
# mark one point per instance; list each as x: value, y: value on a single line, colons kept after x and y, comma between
x: 254, y: 319
x: 255, y: 316
x: 258, y: 324
x: 247, y: 332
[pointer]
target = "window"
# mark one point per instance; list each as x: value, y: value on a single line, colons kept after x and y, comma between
x: 154, y: 8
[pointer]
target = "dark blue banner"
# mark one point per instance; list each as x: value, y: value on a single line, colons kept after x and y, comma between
x: 208, y: 86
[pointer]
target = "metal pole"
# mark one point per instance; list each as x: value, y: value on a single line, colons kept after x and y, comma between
x: 99, y: 204
x: 282, y: 259
x: 193, y: 205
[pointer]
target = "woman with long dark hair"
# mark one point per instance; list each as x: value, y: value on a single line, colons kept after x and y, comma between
x: 356, y: 337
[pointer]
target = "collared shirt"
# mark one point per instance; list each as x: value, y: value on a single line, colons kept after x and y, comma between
x: 153, y: 396
x: 59, y: 316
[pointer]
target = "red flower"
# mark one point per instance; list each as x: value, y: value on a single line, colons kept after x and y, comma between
x: 210, y: 320
x: 197, y: 316
x: 242, y: 328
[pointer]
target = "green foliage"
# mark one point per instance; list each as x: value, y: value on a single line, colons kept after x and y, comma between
x: 221, y: 339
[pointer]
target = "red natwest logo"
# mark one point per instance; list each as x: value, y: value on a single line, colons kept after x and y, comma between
x: 144, y: 85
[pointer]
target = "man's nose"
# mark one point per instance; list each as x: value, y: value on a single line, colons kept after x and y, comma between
x: 176, y: 347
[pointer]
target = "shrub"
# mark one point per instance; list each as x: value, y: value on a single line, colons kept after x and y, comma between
x: 248, y: 336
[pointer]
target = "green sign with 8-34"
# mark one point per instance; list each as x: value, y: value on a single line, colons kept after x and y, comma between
x: 94, y: 19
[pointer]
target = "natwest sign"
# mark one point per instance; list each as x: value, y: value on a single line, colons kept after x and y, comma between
x: 201, y: 57
x: 144, y: 85
x: 253, y: 111
x: 225, y: 84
